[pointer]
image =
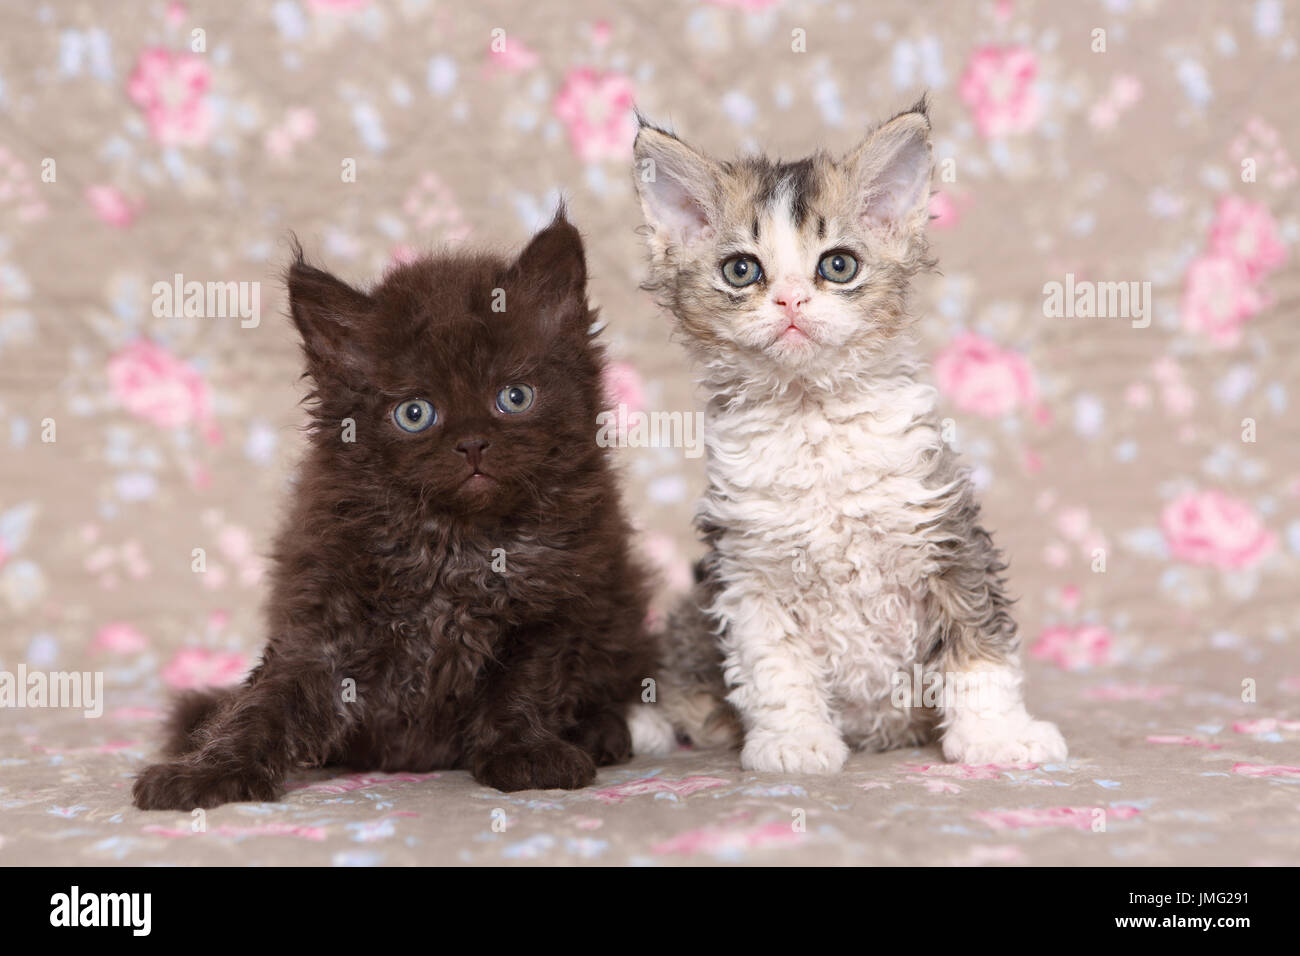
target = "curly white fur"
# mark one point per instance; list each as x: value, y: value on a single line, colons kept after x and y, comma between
x: 845, y: 542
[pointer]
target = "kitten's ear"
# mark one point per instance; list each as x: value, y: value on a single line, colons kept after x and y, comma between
x: 554, y: 266
x: 891, y: 170
x: 678, y: 186
x: 328, y: 312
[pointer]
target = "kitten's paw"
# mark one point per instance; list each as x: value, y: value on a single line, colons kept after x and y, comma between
x: 818, y: 749
x: 185, y: 785
x: 605, y: 736
x: 722, y: 728
x: 1003, y: 740
x: 556, y: 765
x: 652, y: 732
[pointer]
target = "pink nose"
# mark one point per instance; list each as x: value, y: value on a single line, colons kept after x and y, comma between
x: 791, y: 298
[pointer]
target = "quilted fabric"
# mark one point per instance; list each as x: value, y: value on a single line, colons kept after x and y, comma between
x: 1141, y: 472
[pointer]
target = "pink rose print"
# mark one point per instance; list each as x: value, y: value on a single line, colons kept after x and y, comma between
x: 1125, y: 90
x: 431, y: 206
x: 1070, y: 595
x: 1218, y: 298
x: 1182, y: 740
x: 514, y: 57
x: 596, y: 109
x: 112, y: 563
x: 1074, y: 648
x: 963, y: 771
x: 1265, y: 725
x: 624, y: 395
x: 172, y: 90
x: 402, y: 254
x: 1179, y: 398
x: 119, y: 638
x: 1219, y: 291
x: 635, y: 788
x: 338, y: 6
x: 998, y: 86
x: 110, y: 206
x: 298, y: 126
x: 197, y: 667
x: 298, y: 831
x: 127, y: 715
x: 1260, y: 142
x: 236, y: 545
x: 946, y: 210
x: 1211, y: 528
x: 154, y: 385
x: 980, y: 377
x: 1266, y: 770
x: 623, y: 386
x: 18, y: 188
x: 1077, y: 818
x: 1245, y: 231
x: 1073, y: 522
x: 721, y: 842
x: 364, y: 781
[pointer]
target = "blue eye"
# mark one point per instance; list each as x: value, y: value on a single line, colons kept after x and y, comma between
x: 514, y: 399
x: 742, y: 271
x: 415, y: 415
x: 837, y: 266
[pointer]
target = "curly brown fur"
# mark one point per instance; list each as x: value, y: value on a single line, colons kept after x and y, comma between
x: 422, y: 615
x: 189, y: 712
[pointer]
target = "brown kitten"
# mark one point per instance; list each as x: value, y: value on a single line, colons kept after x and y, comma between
x: 463, y: 562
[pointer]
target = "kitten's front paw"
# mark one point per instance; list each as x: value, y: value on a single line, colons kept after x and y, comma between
x: 556, y: 765
x: 1003, y: 740
x: 605, y: 736
x: 186, y: 785
x: 652, y: 732
x: 818, y: 749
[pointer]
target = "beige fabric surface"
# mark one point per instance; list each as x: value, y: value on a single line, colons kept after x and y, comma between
x: 1170, y: 450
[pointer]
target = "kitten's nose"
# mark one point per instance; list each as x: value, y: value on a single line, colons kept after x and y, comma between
x: 472, y: 449
x: 792, y: 298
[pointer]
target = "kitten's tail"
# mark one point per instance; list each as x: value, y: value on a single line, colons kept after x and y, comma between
x: 190, y: 711
x: 691, y: 696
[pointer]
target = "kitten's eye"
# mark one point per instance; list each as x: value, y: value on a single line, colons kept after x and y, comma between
x: 742, y: 271
x: 415, y: 415
x: 514, y: 399
x: 838, y: 267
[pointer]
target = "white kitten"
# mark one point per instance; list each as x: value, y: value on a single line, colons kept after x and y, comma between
x: 846, y: 559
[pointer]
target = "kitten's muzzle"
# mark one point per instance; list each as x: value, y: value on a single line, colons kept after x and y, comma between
x: 791, y: 298
x: 473, y: 449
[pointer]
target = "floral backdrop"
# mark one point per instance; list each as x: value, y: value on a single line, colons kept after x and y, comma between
x: 1143, y: 478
